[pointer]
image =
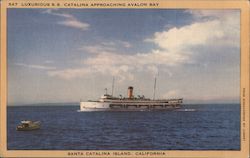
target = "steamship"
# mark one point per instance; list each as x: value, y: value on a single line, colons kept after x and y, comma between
x: 108, y: 102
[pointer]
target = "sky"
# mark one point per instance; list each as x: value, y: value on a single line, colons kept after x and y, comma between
x: 68, y: 55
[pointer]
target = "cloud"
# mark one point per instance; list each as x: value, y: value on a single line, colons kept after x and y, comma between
x: 105, y: 59
x: 174, y: 47
x: 121, y: 72
x: 95, y: 49
x: 223, y: 15
x: 48, y: 61
x: 69, y: 20
x: 41, y: 67
x: 212, y: 32
x: 229, y: 22
x: 105, y: 46
x: 117, y: 64
x: 179, y: 39
x: 104, y: 63
x: 53, y: 12
x: 125, y: 44
x: 70, y: 73
x: 210, y: 29
x: 172, y: 94
x: 75, y: 24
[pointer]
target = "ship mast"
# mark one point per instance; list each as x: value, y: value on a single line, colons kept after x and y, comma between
x: 113, y: 83
x: 155, y: 84
x: 154, y: 89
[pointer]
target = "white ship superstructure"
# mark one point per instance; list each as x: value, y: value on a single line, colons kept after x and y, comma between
x: 110, y: 103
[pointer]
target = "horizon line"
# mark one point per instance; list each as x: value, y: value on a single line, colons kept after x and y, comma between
x: 76, y: 103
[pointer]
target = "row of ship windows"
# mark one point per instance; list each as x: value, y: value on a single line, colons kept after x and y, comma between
x: 139, y: 105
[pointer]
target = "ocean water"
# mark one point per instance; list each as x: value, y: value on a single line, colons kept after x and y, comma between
x: 194, y: 127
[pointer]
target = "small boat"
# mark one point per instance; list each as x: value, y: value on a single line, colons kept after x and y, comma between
x: 27, y: 125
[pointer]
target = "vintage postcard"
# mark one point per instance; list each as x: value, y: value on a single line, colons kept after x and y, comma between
x: 127, y: 78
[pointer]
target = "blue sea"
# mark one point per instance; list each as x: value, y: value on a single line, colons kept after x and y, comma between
x: 194, y: 127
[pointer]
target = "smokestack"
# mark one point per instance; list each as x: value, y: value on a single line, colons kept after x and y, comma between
x: 130, y: 92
